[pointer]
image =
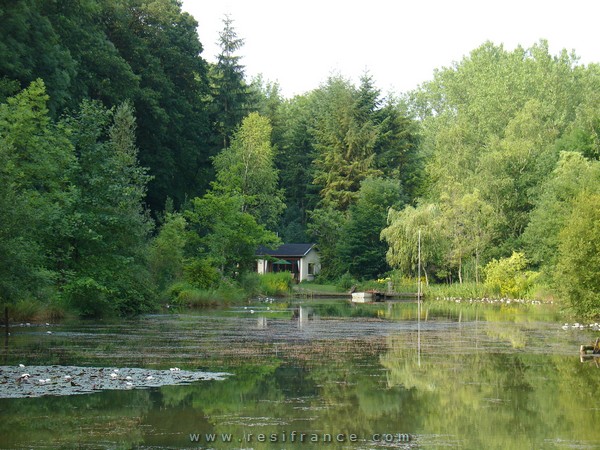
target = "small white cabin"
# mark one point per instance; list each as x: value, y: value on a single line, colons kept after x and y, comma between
x: 302, y: 260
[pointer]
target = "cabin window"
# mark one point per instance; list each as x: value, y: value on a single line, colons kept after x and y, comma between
x: 311, y: 268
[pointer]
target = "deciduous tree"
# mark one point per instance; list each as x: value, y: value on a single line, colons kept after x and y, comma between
x: 247, y: 169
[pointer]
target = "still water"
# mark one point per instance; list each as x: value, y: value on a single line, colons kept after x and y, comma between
x: 310, y: 375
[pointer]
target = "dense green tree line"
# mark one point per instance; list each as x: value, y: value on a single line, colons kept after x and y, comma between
x: 510, y: 142
x: 139, y: 167
x: 112, y: 51
x: 72, y: 194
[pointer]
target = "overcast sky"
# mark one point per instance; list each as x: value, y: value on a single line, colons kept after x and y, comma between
x: 300, y: 43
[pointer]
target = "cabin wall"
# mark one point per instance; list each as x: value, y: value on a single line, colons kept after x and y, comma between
x: 261, y: 266
x: 311, y: 259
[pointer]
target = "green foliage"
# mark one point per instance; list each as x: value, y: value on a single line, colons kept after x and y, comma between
x: 325, y: 227
x: 465, y: 290
x: 32, y: 310
x: 276, y: 284
x: 402, y: 236
x: 89, y: 298
x: 201, y: 273
x: 166, y: 252
x: 250, y: 282
x: 316, y: 287
x: 196, y: 298
x: 294, y: 141
x: 360, y: 248
x: 507, y: 276
x: 36, y: 192
x: 345, y: 138
x: 171, y: 293
x: 490, y: 128
x: 229, y: 92
x: 467, y: 223
x: 346, y: 282
x: 227, y: 235
x: 24, y: 310
x: 246, y: 169
x: 108, y: 229
x: 504, y: 143
x: 577, y: 274
x: 31, y: 48
x: 225, y: 292
x: 572, y: 176
x: 115, y: 51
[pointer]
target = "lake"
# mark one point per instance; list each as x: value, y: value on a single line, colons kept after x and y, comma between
x: 313, y: 375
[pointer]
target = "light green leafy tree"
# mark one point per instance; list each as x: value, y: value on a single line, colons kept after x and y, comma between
x: 35, y: 193
x: 577, y: 274
x: 490, y: 123
x: 468, y: 223
x: 166, y: 252
x: 402, y: 237
x: 247, y: 169
x: 573, y: 175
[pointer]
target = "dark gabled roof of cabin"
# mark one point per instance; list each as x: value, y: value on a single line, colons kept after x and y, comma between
x: 286, y: 250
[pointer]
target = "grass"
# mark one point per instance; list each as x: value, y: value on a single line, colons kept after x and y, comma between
x: 312, y: 288
x: 35, y: 311
x: 464, y: 290
x: 184, y: 294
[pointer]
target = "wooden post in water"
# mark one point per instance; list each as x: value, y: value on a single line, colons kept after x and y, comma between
x: 419, y: 302
x: 6, y: 332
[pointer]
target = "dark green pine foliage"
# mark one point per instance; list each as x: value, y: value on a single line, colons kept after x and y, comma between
x: 295, y: 154
x: 360, y: 250
x: 397, y: 149
x: 230, y: 94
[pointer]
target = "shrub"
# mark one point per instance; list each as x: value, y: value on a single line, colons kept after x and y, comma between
x: 507, y: 277
x: 174, y: 289
x: 88, y: 297
x: 24, y: 310
x: 201, y: 273
x: 250, y: 282
x: 276, y: 284
x: 229, y: 292
x: 346, y: 281
x: 187, y: 295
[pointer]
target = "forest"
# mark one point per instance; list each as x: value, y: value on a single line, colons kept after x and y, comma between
x: 133, y: 172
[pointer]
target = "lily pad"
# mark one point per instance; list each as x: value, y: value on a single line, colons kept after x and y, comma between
x: 38, y: 381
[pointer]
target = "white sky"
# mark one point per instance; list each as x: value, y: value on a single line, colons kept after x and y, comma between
x: 300, y: 43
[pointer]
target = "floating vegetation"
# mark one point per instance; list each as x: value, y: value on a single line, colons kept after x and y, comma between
x: 493, y: 301
x: 37, y: 381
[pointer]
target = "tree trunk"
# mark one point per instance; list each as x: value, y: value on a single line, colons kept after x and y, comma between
x: 476, y: 265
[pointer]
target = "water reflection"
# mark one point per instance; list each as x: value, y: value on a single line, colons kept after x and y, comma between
x: 509, y: 383
x: 261, y: 323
